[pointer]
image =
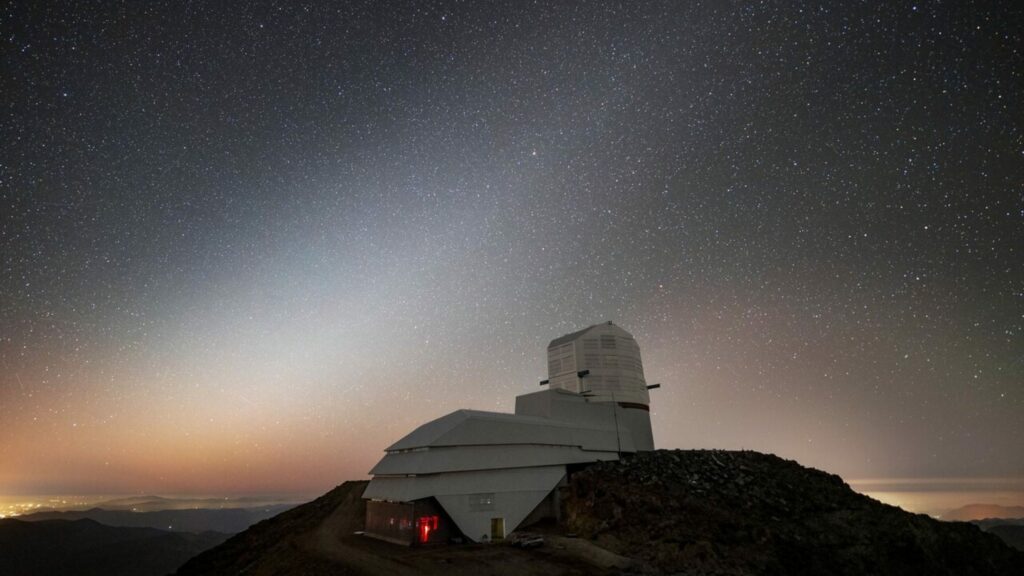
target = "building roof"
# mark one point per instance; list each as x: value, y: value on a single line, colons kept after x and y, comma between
x: 570, y: 337
x: 478, y: 428
x: 495, y: 457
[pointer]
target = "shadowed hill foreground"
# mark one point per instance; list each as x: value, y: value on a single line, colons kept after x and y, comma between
x: 678, y: 512
x: 318, y: 539
x: 1012, y: 534
x: 86, y: 548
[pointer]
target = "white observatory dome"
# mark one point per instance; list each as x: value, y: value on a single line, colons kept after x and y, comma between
x: 602, y: 362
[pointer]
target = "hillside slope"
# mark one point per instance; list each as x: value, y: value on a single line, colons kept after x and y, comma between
x: 686, y: 512
x: 1012, y: 534
x: 317, y: 539
x: 281, y: 544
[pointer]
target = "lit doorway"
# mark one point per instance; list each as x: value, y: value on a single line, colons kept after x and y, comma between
x: 497, y: 528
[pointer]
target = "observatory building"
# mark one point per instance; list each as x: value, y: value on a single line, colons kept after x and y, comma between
x: 480, y: 475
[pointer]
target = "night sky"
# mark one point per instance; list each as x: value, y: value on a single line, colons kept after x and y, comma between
x: 245, y: 248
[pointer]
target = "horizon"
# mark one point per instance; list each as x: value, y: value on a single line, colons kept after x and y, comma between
x: 245, y: 248
x: 932, y: 496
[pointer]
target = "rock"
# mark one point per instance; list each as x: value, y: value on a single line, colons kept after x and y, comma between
x: 745, y: 513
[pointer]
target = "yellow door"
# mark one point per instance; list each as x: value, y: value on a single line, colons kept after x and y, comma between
x: 497, y: 528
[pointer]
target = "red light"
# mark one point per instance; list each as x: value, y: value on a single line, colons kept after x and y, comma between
x: 426, y: 524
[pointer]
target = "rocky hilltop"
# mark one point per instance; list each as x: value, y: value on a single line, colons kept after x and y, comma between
x: 665, y: 512
x: 719, y: 512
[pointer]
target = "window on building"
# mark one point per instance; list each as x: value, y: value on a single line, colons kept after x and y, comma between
x: 481, y: 502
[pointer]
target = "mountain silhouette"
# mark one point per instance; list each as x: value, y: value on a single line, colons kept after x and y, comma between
x: 983, y: 511
x: 227, y: 520
x: 88, y: 548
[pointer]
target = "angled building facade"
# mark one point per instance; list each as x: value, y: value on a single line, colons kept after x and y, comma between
x: 480, y: 475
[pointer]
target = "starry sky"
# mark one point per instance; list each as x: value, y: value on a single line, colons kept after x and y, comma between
x: 246, y: 246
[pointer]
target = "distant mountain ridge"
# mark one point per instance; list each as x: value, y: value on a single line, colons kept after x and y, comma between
x: 131, y: 501
x: 1012, y: 534
x: 990, y: 522
x: 982, y: 512
x: 88, y: 548
x: 1011, y: 530
x: 226, y: 520
x: 150, y: 503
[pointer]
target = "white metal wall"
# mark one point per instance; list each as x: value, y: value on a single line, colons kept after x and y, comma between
x: 612, y: 357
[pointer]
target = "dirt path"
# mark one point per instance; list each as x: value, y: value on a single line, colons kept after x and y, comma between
x: 320, y: 538
x: 560, y: 556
